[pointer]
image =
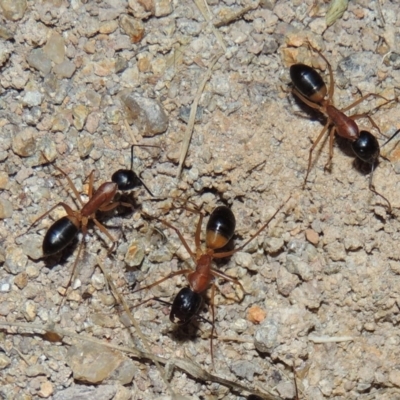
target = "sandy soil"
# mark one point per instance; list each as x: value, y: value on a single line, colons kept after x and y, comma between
x: 321, y: 281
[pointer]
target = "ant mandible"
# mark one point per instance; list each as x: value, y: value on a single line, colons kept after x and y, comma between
x: 219, y: 231
x: 310, y: 88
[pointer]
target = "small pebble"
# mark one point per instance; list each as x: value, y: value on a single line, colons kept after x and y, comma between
x: 79, y: 113
x: 4, y: 361
x: 92, y: 363
x: 65, y: 69
x: 145, y: 113
x: 312, y: 236
x: 46, y: 389
x: 162, y: 8
x: 37, y: 59
x: 24, y: 142
x: 55, y: 48
x: 21, y: 280
x: 98, y: 281
x: 394, y: 377
x: 4, y: 180
x: 135, y: 254
x: 133, y: 27
x: 256, y: 314
x: 85, y: 146
x: 5, y: 287
x: 245, y: 369
x: 15, y: 260
x: 13, y: 10
x: 29, y: 311
x: 266, y: 336
x: 33, y: 247
x: 92, y: 122
x: 6, y: 209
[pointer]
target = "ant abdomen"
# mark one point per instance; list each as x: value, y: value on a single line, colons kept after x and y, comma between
x: 220, y: 227
x: 308, y: 82
x: 185, y: 306
x: 366, y: 147
x: 59, y: 236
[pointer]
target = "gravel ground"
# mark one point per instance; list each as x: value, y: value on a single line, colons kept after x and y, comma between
x: 81, y: 81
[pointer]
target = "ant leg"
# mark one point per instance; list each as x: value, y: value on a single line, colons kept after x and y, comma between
x: 199, y: 223
x: 361, y: 99
x: 392, y: 137
x: 213, y: 322
x: 373, y: 190
x: 228, y: 278
x: 111, y: 206
x: 229, y: 253
x: 331, y: 139
x: 71, y: 184
x: 72, y: 276
x: 315, y: 144
x: 70, y: 212
x: 181, y: 238
x: 373, y: 123
x: 91, y: 183
x: 143, y: 184
x: 295, y: 382
x: 197, y: 237
x: 171, y: 275
x: 331, y: 80
x: 308, y: 102
x: 106, y: 232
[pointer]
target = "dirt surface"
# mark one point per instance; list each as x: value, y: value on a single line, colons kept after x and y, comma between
x: 321, y: 281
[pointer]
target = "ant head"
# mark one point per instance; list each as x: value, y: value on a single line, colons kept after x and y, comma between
x: 185, y: 306
x: 126, y: 179
x: 366, y: 147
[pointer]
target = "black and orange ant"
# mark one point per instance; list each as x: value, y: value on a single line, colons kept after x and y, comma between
x: 64, y: 230
x: 310, y: 88
x: 219, y: 231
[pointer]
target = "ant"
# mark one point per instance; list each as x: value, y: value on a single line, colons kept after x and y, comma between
x: 219, y: 231
x: 64, y: 230
x: 310, y: 88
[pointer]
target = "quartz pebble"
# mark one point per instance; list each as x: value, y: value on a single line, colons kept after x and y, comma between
x: 37, y: 59
x: 245, y: 369
x: 29, y: 311
x: 135, y: 254
x: 6, y: 209
x: 15, y: 260
x: 148, y: 114
x: 101, y: 392
x: 133, y: 27
x: 266, y: 336
x: 92, y: 363
x: 4, y: 361
x: 24, y: 142
x: 55, y: 48
x: 13, y: 10
x: 64, y: 69
x: 46, y: 389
